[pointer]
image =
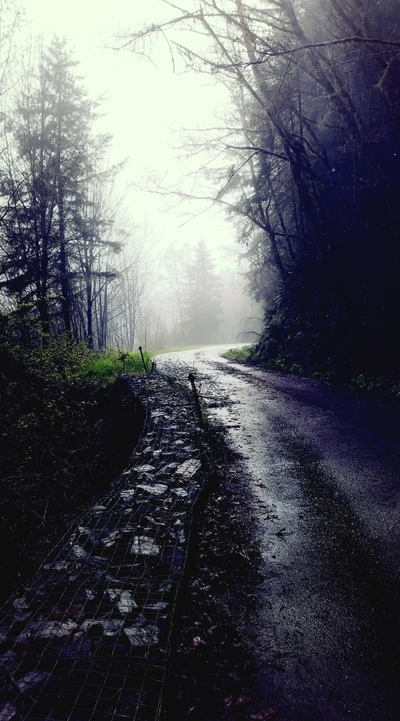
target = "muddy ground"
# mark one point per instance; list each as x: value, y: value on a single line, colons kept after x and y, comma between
x: 61, y: 445
x: 213, y: 676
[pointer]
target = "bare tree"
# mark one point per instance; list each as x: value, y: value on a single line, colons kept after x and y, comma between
x: 130, y: 299
x: 309, y: 158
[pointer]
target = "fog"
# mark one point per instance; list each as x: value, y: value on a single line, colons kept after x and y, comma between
x: 148, y: 105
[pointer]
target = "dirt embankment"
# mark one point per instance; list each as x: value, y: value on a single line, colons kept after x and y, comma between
x: 61, y: 444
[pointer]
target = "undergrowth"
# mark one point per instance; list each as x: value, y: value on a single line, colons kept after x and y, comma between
x: 379, y: 383
x: 65, y: 359
x: 66, y: 432
x: 387, y: 384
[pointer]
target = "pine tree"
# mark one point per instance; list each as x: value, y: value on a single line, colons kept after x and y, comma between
x: 56, y: 227
x: 203, y: 298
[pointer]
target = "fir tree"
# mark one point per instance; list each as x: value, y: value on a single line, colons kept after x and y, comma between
x: 55, y: 230
x: 203, y: 298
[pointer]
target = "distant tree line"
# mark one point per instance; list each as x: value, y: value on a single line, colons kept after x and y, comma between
x: 312, y: 146
x: 201, y: 305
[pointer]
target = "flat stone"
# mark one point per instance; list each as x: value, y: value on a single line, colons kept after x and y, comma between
x: 110, y: 626
x: 142, y: 636
x: 7, y: 712
x: 47, y: 629
x: 145, y: 546
x: 157, y: 489
x: 188, y: 468
x: 180, y: 492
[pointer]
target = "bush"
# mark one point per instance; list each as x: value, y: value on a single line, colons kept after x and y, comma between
x: 239, y: 354
x: 61, y: 359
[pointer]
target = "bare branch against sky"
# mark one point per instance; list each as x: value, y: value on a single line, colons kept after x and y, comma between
x: 147, y: 106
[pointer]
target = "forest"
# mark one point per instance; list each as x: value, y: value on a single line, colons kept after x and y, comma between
x: 83, y: 284
x: 73, y: 259
x: 309, y: 169
x: 304, y: 161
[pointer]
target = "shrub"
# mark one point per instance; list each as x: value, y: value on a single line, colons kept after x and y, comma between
x: 239, y: 354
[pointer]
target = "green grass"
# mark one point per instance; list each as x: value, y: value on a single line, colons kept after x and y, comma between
x: 63, y: 359
x: 106, y: 366
x: 238, y: 354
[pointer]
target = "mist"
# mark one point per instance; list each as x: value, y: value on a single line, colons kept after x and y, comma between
x: 143, y: 108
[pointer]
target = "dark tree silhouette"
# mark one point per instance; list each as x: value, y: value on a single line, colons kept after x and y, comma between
x: 313, y: 151
x: 56, y: 219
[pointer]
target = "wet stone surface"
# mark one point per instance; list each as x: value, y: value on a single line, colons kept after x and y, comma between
x: 88, y: 637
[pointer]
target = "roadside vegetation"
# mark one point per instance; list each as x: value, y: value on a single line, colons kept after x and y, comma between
x: 239, y: 354
x: 106, y: 365
x: 388, y: 384
x: 68, y: 424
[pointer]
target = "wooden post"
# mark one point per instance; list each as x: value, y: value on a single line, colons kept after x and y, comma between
x: 196, y: 398
x: 143, y: 361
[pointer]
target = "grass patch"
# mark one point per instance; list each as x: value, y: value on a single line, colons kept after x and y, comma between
x: 105, y: 366
x: 239, y: 354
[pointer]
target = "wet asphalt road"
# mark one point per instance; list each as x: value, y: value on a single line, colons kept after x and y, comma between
x: 323, y: 469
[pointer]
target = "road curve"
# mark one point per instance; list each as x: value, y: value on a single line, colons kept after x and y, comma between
x: 323, y: 471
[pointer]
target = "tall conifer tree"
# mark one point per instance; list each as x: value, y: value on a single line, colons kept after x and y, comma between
x: 203, y: 305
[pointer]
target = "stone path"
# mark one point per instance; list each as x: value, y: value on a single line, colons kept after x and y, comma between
x: 88, y: 637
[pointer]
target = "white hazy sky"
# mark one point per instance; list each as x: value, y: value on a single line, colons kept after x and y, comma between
x: 146, y: 105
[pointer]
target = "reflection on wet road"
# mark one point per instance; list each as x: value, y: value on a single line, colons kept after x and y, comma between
x: 324, y: 467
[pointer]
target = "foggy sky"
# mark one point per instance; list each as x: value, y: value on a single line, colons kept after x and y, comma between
x: 145, y: 108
